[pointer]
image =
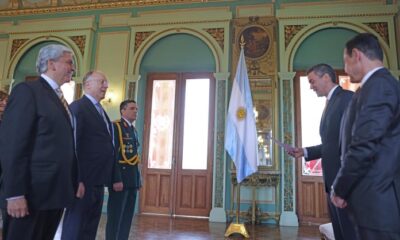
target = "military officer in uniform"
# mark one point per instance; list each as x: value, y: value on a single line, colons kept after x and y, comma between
x: 121, y: 204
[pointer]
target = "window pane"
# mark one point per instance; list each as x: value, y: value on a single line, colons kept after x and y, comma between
x: 68, y: 90
x: 162, y: 124
x: 195, y: 132
x: 311, y: 107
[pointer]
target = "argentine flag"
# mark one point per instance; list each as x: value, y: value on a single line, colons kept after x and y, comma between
x: 240, y: 133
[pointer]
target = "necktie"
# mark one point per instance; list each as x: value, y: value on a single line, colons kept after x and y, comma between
x: 101, y: 111
x: 64, y: 102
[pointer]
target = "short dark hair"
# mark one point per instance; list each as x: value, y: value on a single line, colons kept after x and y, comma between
x: 3, y: 95
x: 125, y: 103
x: 321, y: 69
x: 368, y: 44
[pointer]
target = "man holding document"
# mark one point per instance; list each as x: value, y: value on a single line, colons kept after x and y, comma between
x: 322, y: 79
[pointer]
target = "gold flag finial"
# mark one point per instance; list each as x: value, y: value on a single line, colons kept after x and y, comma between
x: 242, y: 42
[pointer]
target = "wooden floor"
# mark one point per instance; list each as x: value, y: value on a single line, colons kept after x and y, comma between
x: 147, y: 227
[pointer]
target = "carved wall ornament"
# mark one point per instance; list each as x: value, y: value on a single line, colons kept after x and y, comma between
x: 218, y: 35
x: 80, y: 41
x: 291, y: 31
x: 260, y: 45
x: 17, y: 44
x: 381, y: 28
x: 140, y: 37
x: 131, y: 90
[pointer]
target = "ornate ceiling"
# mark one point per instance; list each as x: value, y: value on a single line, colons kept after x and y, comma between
x: 20, y: 7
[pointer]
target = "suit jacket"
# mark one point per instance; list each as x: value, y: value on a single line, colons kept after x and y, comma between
x: 369, y: 178
x: 37, y: 148
x: 95, y: 149
x: 130, y: 174
x: 329, y: 150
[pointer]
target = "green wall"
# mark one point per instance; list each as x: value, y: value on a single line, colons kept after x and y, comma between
x: 27, y: 64
x: 325, y: 46
x: 174, y: 53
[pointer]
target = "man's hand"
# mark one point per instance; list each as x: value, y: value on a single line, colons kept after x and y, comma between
x: 81, y: 190
x: 17, y: 208
x: 295, y: 152
x: 118, y: 186
x: 338, y: 201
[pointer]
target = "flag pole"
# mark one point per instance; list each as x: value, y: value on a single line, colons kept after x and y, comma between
x: 238, y: 227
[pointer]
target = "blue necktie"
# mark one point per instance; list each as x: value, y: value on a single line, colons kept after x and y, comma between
x: 103, y: 115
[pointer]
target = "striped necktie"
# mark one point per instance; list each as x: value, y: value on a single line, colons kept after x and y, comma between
x: 64, y: 102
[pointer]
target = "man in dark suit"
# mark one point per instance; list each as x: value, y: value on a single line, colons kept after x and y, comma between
x: 322, y: 79
x: 96, y: 159
x: 37, y: 150
x: 368, y: 182
x: 121, y: 204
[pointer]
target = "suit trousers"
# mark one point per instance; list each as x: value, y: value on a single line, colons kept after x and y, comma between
x: 343, y: 227
x: 38, y: 225
x: 82, y: 219
x: 120, y: 211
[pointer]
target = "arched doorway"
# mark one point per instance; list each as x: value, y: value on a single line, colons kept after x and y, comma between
x: 179, y: 91
x: 322, y: 46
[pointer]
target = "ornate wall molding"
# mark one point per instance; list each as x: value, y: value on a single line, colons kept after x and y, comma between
x: 260, y: 46
x: 131, y: 90
x: 140, y: 37
x: 17, y: 44
x: 336, y: 16
x: 220, y: 150
x: 25, y: 7
x: 381, y: 28
x: 287, y: 113
x: 80, y: 41
x: 291, y: 31
x: 218, y: 35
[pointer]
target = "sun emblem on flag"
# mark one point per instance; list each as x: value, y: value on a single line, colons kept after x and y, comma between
x: 241, y: 113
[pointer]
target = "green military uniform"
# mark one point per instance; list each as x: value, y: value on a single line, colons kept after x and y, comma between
x: 121, y: 205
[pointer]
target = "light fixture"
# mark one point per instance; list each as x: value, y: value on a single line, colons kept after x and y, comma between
x: 109, y: 98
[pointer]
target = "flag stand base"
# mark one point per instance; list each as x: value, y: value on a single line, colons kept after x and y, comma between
x: 237, y: 228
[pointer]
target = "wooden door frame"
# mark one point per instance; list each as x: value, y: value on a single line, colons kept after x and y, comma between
x: 146, y: 134
x: 178, y: 129
x: 210, y: 153
x: 317, y: 180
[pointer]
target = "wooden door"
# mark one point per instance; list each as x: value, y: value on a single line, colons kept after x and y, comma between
x: 178, y: 144
x: 311, y: 197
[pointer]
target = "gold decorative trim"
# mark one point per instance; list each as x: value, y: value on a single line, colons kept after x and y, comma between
x: 381, y: 28
x: 181, y: 22
x: 52, y: 31
x: 97, y: 6
x: 17, y: 44
x: 336, y: 16
x: 218, y: 34
x: 80, y: 41
x: 140, y: 37
x: 291, y: 31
